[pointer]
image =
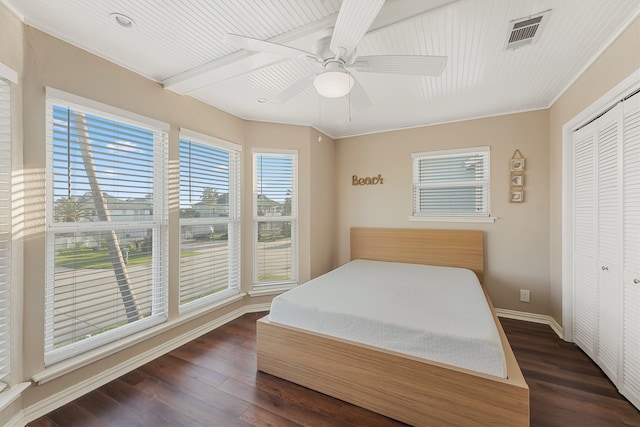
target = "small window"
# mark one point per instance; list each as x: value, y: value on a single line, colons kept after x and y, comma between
x: 452, y: 183
x: 275, y: 215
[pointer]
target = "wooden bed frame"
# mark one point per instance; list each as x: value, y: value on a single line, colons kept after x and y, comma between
x: 409, y: 389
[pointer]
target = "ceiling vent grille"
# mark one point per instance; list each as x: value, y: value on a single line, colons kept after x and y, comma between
x: 525, y: 31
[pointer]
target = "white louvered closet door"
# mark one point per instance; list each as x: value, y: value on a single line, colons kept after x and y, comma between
x: 585, y: 291
x: 631, y: 249
x: 609, y: 226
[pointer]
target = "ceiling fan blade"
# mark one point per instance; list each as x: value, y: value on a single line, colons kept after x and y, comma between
x: 293, y: 90
x: 422, y: 65
x: 248, y: 43
x: 358, y: 97
x: 354, y: 19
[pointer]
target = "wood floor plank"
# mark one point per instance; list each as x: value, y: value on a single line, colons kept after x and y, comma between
x: 74, y: 415
x: 278, y: 405
x: 179, y: 379
x: 213, y: 381
x: 109, y: 410
x: 261, y: 417
x: 154, y: 411
x: 200, y: 410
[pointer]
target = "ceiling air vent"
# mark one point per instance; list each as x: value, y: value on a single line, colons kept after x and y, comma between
x: 525, y: 31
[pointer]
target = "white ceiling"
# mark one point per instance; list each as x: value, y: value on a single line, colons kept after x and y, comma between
x: 179, y: 44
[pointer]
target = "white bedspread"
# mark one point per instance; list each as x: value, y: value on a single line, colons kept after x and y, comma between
x: 436, y: 313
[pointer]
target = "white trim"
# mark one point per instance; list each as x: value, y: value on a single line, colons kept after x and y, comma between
x: 69, y: 365
x: 273, y: 151
x: 201, y: 137
x: 482, y: 149
x: 8, y: 396
x: 77, y: 390
x: 480, y: 219
x: 17, y: 420
x: 13, y: 10
x: 8, y: 73
x: 630, y: 84
x: 85, y: 103
x: 531, y: 317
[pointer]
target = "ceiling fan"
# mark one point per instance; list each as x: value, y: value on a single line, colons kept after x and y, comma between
x: 335, y: 54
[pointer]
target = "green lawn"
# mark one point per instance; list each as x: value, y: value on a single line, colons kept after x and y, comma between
x: 91, y: 258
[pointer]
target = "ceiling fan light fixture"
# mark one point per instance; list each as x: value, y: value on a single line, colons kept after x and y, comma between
x: 333, y: 84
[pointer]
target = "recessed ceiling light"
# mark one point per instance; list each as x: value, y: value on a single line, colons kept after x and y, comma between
x: 262, y: 100
x: 123, y: 20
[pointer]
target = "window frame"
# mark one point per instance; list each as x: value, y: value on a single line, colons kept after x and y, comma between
x: 485, y: 183
x: 234, y: 219
x: 6, y: 271
x: 158, y: 224
x: 272, y: 286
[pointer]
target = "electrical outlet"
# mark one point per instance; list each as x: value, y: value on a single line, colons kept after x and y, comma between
x: 525, y: 295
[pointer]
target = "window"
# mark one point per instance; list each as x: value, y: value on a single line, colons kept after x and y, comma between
x: 5, y: 229
x: 275, y: 213
x: 209, y: 219
x: 451, y: 183
x: 106, y: 224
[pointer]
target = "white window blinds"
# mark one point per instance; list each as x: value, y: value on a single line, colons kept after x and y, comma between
x: 451, y: 183
x: 209, y: 219
x: 106, y: 224
x: 5, y: 229
x: 275, y: 211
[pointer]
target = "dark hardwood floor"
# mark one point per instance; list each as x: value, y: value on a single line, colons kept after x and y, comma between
x: 212, y: 381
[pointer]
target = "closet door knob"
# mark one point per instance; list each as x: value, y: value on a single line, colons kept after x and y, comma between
x: 636, y: 281
x: 605, y: 268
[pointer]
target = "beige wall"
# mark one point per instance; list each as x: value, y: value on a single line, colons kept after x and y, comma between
x: 323, y: 203
x: 617, y: 62
x: 516, y: 245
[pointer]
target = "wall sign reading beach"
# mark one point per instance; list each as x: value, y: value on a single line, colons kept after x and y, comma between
x: 369, y: 180
x: 516, y: 181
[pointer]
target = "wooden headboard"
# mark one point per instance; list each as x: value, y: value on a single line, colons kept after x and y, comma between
x: 448, y: 248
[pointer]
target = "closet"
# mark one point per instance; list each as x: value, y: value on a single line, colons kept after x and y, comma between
x: 606, y: 243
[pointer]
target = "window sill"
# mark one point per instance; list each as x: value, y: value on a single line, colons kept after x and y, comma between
x: 484, y: 219
x: 8, y: 396
x: 272, y: 290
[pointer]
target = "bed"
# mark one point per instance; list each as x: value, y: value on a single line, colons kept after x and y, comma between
x: 406, y: 387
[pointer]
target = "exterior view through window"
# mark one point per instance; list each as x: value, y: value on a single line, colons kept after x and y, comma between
x: 106, y: 226
x: 275, y: 218
x: 209, y: 219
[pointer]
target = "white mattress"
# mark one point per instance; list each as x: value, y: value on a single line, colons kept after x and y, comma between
x: 435, y: 313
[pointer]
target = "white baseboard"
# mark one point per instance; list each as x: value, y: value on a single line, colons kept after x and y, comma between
x: 63, y: 397
x: 531, y: 317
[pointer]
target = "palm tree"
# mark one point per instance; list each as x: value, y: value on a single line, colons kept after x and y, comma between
x: 111, y: 237
x: 68, y: 209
